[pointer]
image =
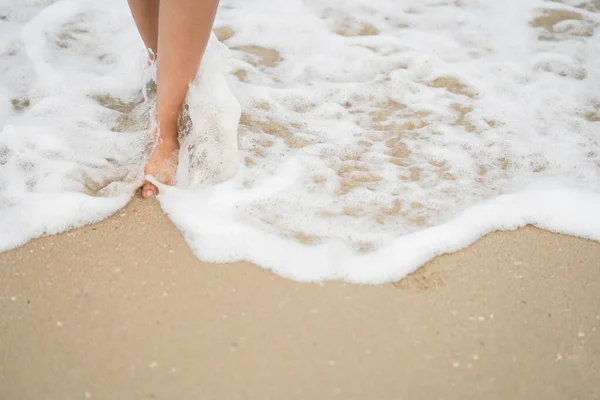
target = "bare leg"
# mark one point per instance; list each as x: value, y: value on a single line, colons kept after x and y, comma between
x: 184, y: 27
x: 145, y: 14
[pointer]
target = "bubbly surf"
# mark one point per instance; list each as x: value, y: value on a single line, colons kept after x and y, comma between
x: 373, y: 135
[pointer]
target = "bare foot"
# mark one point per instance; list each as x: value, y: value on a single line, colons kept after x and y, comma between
x: 162, y: 165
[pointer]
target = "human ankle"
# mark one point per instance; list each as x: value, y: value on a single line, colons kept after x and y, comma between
x: 167, y: 133
x: 168, y: 142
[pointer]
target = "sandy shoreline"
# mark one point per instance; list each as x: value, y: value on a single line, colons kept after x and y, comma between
x: 437, y: 101
x: 123, y: 309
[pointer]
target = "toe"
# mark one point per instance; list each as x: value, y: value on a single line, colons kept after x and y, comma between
x: 149, y: 190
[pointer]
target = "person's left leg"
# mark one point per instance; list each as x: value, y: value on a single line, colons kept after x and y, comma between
x: 184, y: 28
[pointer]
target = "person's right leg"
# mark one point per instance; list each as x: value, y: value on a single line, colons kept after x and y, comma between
x: 145, y: 15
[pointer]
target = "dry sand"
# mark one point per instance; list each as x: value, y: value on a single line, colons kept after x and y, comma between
x: 124, y: 310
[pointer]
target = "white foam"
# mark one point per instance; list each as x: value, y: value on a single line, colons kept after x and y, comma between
x: 374, y: 136
x: 208, y: 124
x: 61, y: 165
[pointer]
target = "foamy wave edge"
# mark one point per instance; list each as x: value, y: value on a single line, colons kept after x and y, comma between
x: 62, y: 212
x: 215, y: 238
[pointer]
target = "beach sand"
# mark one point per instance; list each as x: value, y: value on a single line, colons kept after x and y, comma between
x: 124, y: 310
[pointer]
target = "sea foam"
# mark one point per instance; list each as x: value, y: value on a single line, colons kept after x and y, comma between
x: 373, y: 135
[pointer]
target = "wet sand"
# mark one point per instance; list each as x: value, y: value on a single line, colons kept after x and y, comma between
x: 124, y: 310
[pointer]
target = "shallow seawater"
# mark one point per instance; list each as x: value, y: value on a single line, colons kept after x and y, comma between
x: 373, y: 135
